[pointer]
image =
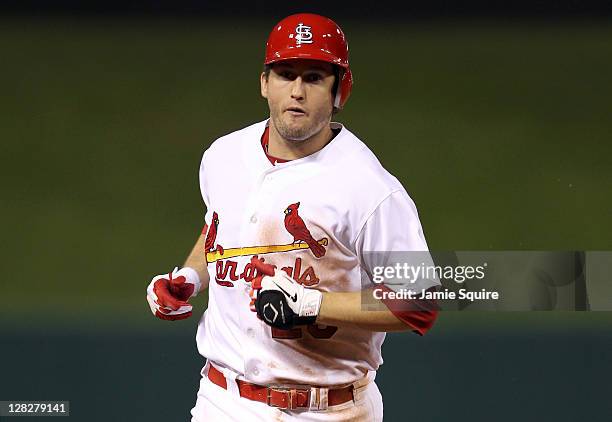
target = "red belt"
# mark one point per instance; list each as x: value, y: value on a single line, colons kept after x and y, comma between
x: 283, y: 398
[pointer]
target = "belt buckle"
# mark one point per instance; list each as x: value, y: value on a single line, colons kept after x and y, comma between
x: 290, y: 393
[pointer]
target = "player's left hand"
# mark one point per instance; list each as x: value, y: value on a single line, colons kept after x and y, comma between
x: 280, y: 301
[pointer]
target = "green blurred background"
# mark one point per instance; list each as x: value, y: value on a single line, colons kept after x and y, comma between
x: 500, y: 130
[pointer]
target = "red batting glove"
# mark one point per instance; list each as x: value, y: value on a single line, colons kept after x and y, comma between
x: 168, y: 295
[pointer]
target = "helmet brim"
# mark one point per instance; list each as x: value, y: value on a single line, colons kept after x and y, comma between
x: 305, y: 54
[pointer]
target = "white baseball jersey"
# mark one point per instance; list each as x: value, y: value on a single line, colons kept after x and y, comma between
x: 349, y: 205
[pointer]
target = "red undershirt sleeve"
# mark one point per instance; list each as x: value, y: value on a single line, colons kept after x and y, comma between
x: 418, y: 314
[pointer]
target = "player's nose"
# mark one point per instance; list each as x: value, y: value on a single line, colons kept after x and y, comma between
x: 297, y: 88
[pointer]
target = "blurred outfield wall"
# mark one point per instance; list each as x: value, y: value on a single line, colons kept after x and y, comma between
x: 499, y: 131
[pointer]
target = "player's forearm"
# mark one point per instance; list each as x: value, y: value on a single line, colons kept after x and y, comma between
x: 197, y: 261
x: 343, y: 309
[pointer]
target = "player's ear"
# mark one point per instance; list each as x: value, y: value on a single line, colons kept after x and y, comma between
x: 263, y: 80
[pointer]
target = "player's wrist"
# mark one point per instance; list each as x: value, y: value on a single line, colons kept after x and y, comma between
x: 310, y: 305
x: 191, y: 277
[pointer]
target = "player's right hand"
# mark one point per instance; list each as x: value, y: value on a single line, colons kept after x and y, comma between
x: 168, y: 294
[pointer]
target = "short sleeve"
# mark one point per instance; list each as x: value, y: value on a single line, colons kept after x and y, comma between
x: 392, y: 234
x: 393, y: 226
x: 204, y: 187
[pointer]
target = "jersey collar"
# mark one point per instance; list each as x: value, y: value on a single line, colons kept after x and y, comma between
x: 265, y: 141
x: 256, y: 160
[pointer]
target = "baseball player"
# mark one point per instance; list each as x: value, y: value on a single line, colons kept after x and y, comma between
x: 294, y: 204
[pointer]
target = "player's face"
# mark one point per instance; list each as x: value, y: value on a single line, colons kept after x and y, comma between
x: 299, y: 94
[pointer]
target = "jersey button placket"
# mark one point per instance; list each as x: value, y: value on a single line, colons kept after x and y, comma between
x: 250, y: 212
x: 261, y: 197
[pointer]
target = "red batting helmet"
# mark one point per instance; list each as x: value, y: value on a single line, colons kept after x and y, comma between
x: 314, y: 37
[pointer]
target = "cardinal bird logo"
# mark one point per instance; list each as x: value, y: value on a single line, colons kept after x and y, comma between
x: 211, y: 237
x: 296, y: 227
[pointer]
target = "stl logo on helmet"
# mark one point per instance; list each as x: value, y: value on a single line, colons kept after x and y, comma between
x: 303, y: 34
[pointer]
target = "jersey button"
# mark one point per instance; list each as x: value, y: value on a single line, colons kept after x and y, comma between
x: 251, y: 333
x: 255, y: 371
x: 253, y: 219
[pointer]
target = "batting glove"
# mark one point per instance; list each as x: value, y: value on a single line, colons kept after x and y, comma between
x: 168, y: 294
x: 280, y: 301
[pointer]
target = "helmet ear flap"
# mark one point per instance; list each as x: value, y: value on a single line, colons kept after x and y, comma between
x: 345, y: 85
